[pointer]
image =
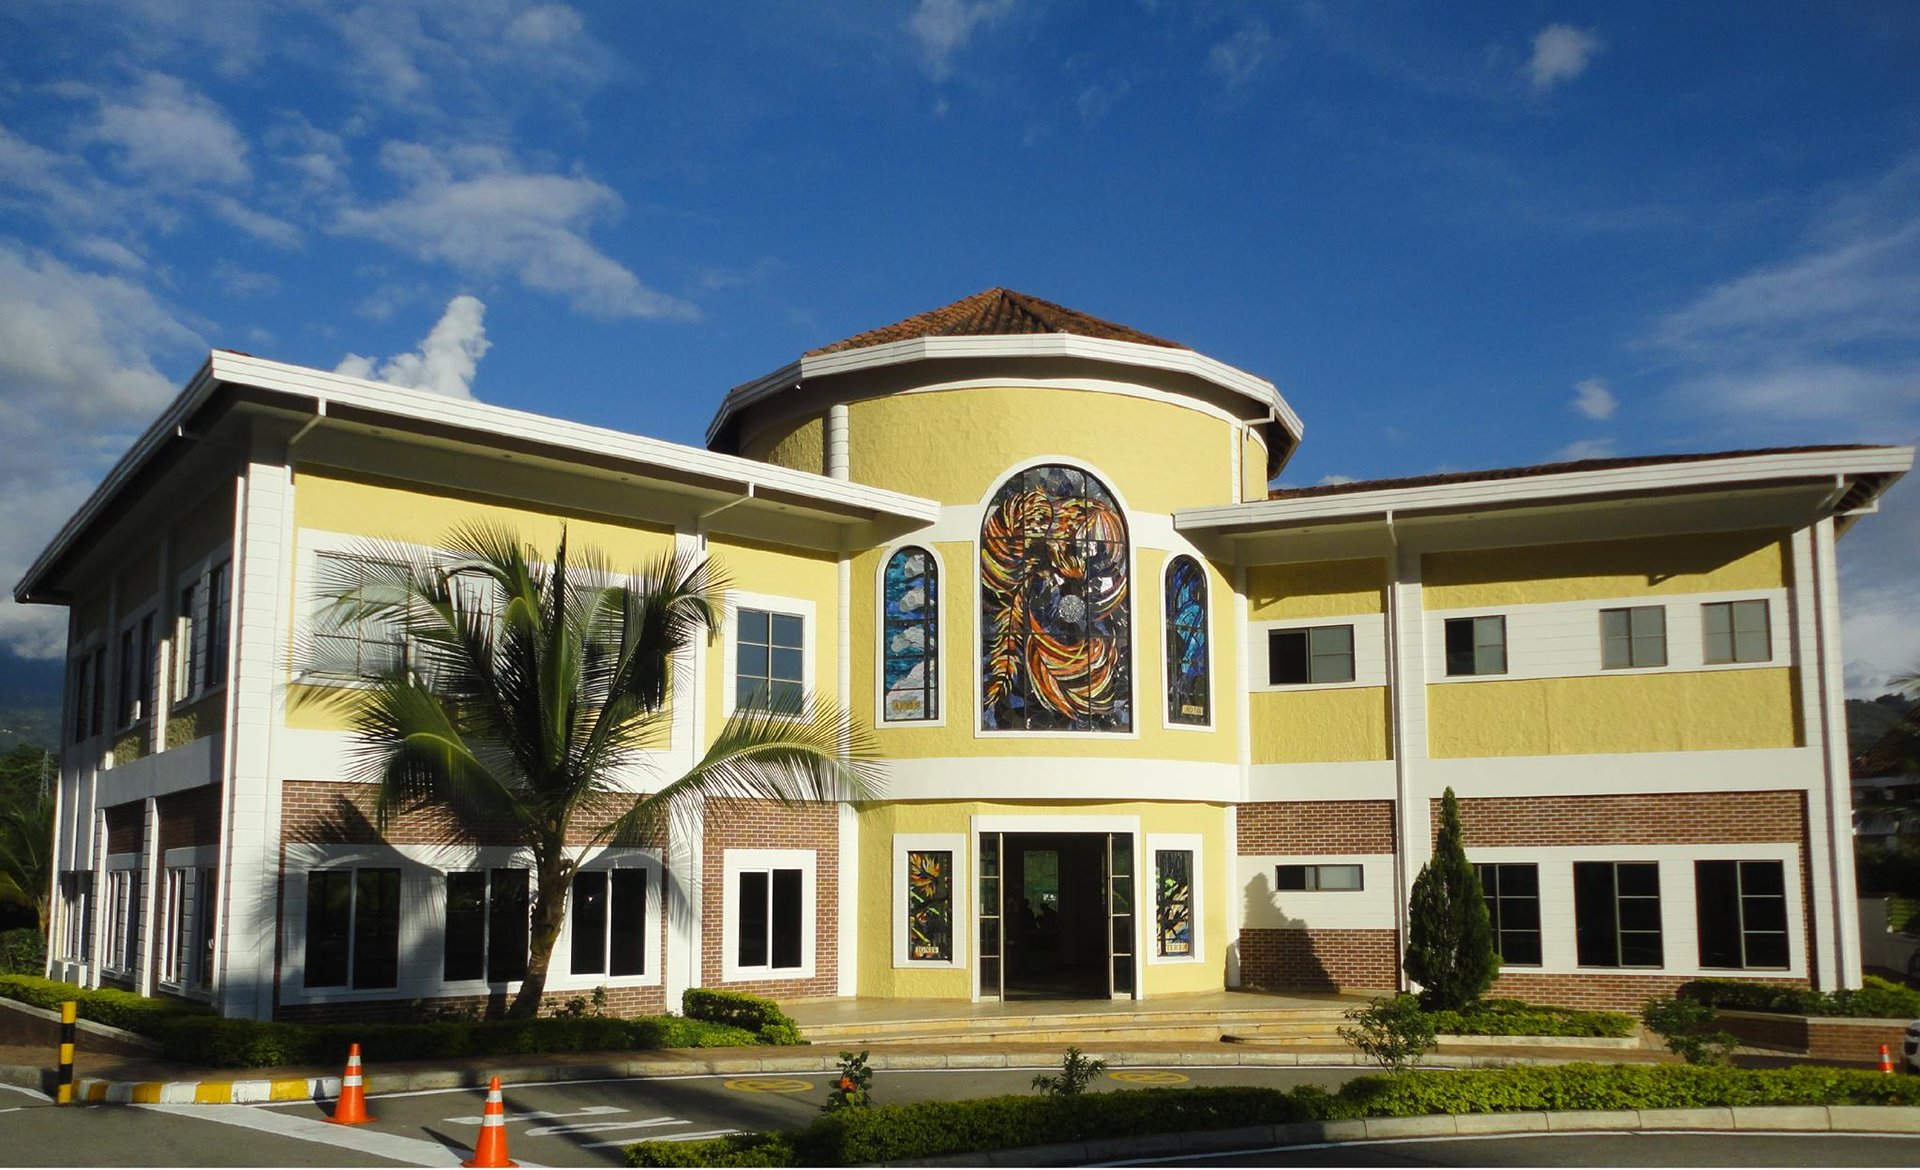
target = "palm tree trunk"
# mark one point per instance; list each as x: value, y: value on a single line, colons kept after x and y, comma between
x: 553, y: 874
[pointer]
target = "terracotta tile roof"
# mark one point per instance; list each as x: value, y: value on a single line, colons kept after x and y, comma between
x: 996, y: 312
x: 1897, y: 753
x: 1577, y: 465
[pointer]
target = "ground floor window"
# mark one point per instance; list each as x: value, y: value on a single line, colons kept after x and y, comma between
x: 1319, y: 877
x: 1173, y: 903
x: 353, y: 928
x: 1616, y: 909
x: 207, y: 889
x: 173, y: 932
x: 123, y: 925
x: 76, y: 896
x: 769, y: 913
x: 609, y: 922
x: 1743, y: 913
x: 486, y: 926
x: 1513, y: 903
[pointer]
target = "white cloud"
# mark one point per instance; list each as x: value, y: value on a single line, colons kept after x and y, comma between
x: 171, y: 136
x: 77, y: 382
x: 475, y: 210
x: 1561, y: 52
x: 1236, y: 59
x: 1585, y: 449
x: 244, y: 282
x: 446, y: 361
x: 1335, y: 478
x: 1592, y: 399
x: 1097, y: 100
x: 943, y: 27
x: 1880, y: 593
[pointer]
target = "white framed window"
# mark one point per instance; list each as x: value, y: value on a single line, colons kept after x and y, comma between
x: 1476, y: 645
x: 768, y: 652
x: 171, y: 932
x: 930, y: 900
x: 486, y: 925
x: 1633, y: 637
x: 910, y: 667
x: 139, y: 669
x: 202, y: 628
x: 1341, y: 876
x: 1742, y: 915
x: 76, y: 896
x: 1314, y: 655
x: 348, y: 643
x: 124, y: 880
x: 768, y: 914
x: 1736, y: 631
x: 352, y: 928
x: 613, y: 920
x: 1175, y: 863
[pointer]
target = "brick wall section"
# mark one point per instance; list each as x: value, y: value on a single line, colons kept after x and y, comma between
x: 190, y: 818
x: 1623, y: 992
x: 1316, y: 826
x: 325, y: 812
x: 1319, y: 960
x: 1668, y: 818
x: 742, y: 824
x: 126, y: 825
x: 621, y: 1001
x: 1854, y: 1041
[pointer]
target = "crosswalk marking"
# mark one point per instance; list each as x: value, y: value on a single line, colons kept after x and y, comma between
x: 540, y: 1115
x: 701, y: 1136
x: 648, y: 1123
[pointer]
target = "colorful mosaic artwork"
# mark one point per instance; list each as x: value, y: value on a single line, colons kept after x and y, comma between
x: 909, y: 659
x: 930, y: 905
x: 1054, y: 606
x: 1187, y: 650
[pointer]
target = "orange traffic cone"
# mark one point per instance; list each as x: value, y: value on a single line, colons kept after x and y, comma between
x: 351, y: 1108
x: 1886, y: 1060
x: 490, y: 1150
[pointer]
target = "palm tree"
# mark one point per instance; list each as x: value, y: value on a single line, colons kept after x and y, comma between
x: 526, y: 695
x: 26, y: 853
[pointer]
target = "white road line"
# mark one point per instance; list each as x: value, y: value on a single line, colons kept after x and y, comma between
x: 411, y: 1151
x: 569, y: 1130
x: 702, y: 1136
x: 37, y: 1095
x: 539, y: 1115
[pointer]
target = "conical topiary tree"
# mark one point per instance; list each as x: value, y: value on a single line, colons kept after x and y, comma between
x: 1450, y: 949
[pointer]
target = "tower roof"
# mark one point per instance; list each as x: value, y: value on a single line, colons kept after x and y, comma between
x: 997, y: 312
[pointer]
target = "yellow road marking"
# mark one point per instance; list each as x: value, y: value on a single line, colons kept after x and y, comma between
x: 769, y: 1085
x: 1150, y: 1077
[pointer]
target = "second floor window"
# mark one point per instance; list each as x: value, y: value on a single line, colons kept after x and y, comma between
x: 350, y: 639
x: 1737, y: 631
x: 910, y: 629
x: 1476, y: 645
x: 1322, y: 654
x: 1632, y: 637
x: 769, y: 663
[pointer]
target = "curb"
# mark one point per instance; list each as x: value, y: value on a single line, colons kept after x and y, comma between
x: 226, y: 1091
x: 1874, y: 1119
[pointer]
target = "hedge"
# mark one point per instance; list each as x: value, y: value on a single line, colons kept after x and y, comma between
x: 754, y: 1013
x: 1879, y: 999
x: 933, y: 1128
x: 193, y: 1034
x: 23, y: 951
x: 1511, y: 1017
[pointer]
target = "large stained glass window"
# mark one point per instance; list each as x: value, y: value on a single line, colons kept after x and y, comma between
x: 1187, y: 649
x: 930, y: 905
x: 1173, y: 903
x: 1056, y: 637
x: 909, y: 658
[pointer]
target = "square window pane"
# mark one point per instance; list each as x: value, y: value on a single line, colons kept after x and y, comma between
x: 788, y: 630
x: 1639, y: 949
x: 784, y: 696
x: 1767, y: 950
x: 1290, y: 877
x: 1639, y: 879
x: 1640, y: 914
x: 1286, y: 657
x: 753, y: 625
x: 752, y: 662
x: 1763, y: 877
x: 1616, y: 653
x: 1332, y: 640
x: 1521, y: 948
x: 1614, y: 624
x: 1765, y: 912
x: 1340, y: 877
x: 786, y: 664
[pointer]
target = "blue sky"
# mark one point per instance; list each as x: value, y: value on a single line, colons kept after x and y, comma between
x: 1452, y: 239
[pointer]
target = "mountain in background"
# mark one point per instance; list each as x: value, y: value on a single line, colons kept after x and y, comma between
x: 29, y: 700
x: 1870, y: 719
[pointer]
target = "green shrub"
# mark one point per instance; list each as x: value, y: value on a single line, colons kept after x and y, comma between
x: 1510, y: 1017
x: 23, y: 951
x: 105, y: 1005
x: 1076, y: 1073
x: 1879, y: 999
x: 754, y: 1013
x: 1690, y: 1028
x: 929, y: 1129
x: 1393, y: 1033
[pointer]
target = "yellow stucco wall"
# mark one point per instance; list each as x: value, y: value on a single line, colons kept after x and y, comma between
x: 1253, y: 467
x: 960, y: 694
x: 796, y: 443
x: 1321, y: 726
x: 879, y: 823
x: 1653, y: 567
x: 1683, y: 711
x: 956, y: 445
x: 1316, y: 589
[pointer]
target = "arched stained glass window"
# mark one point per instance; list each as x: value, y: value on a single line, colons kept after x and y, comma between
x: 1055, y: 627
x: 910, y: 629
x: 1188, y: 654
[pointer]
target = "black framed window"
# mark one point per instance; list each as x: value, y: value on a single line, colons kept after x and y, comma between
x: 1320, y: 654
x: 770, y: 919
x: 137, y: 671
x: 487, y: 925
x: 1476, y: 645
x: 609, y: 922
x: 769, y: 670
x: 329, y: 926
x: 1513, y: 903
x: 1743, y: 914
x: 353, y: 928
x: 219, y: 624
x: 1616, y: 910
x: 1633, y: 637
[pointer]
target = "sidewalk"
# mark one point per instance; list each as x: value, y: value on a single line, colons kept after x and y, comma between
x: 118, y: 1079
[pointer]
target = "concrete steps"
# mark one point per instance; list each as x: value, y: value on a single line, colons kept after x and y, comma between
x: 1302, y: 1027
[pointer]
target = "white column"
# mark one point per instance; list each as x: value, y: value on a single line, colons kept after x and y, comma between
x: 149, y: 902
x: 1243, y: 714
x: 1407, y: 680
x: 256, y: 695
x: 102, y: 906
x: 1829, y: 844
x: 847, y: 928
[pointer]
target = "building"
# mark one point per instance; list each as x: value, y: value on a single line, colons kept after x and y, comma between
x: 1150, y: 728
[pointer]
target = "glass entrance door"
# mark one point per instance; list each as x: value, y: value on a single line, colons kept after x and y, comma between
x: 1119, y: 884
x: 992, y: 977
